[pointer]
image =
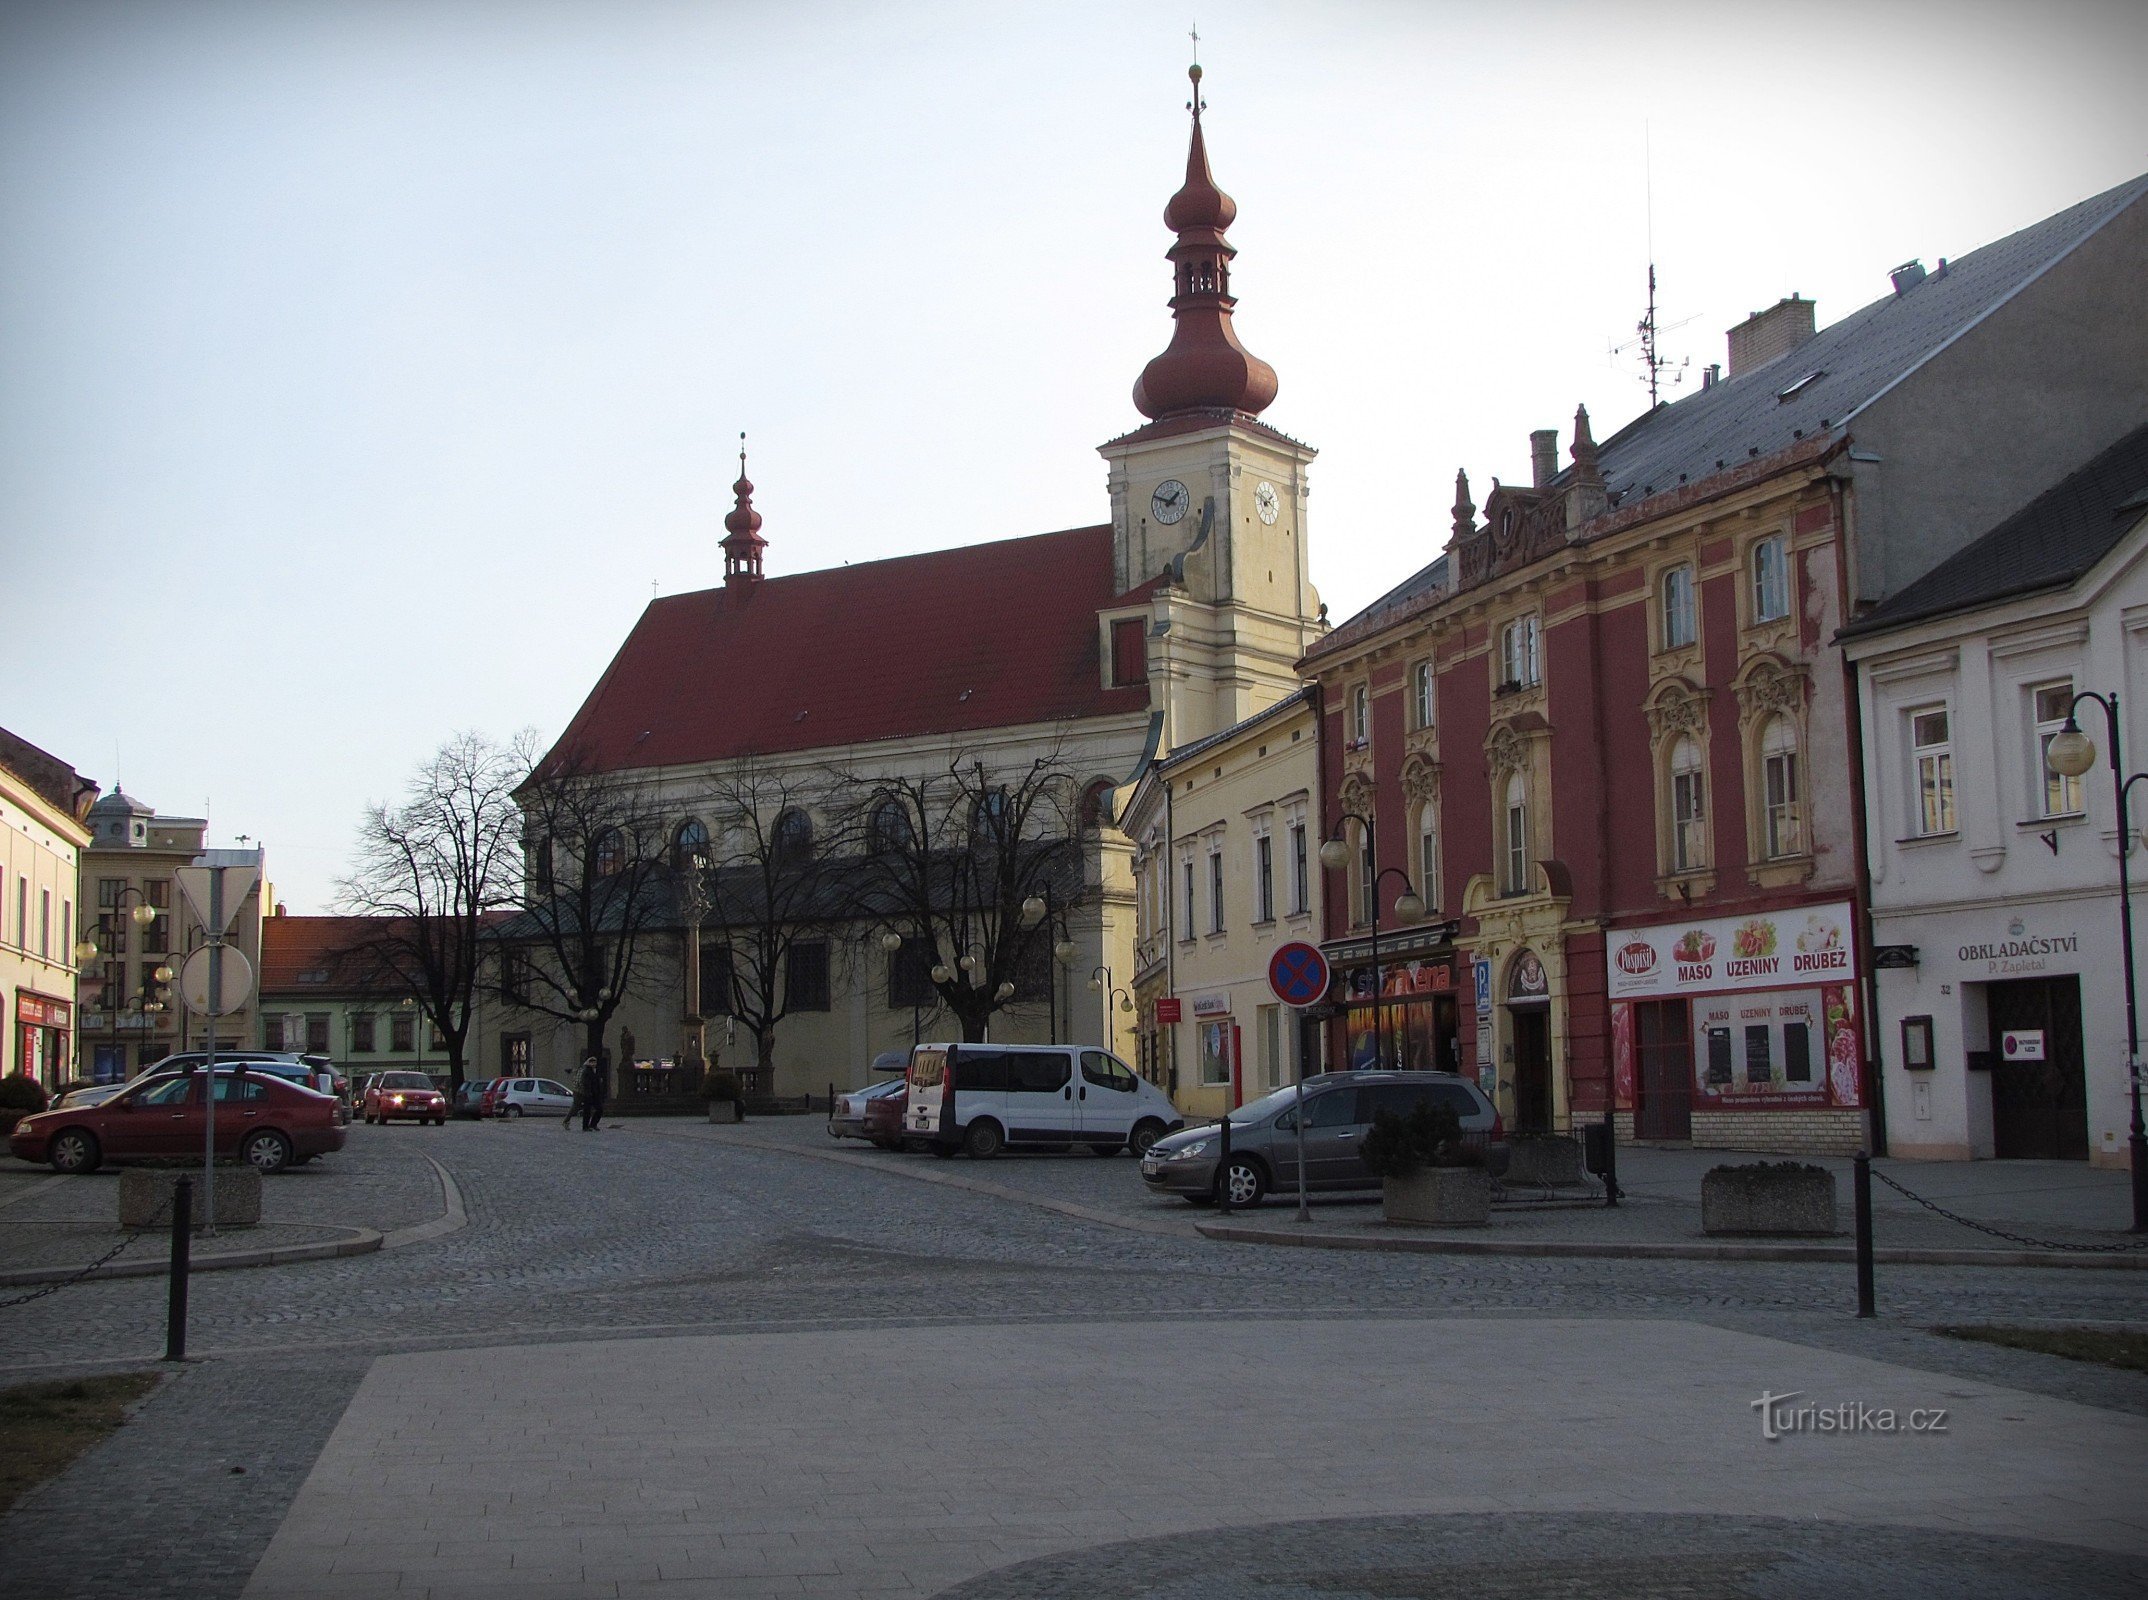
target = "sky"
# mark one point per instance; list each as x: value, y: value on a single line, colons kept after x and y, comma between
x: 365, y: 368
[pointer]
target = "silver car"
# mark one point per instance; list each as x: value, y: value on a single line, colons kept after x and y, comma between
x: 1339, y: 1108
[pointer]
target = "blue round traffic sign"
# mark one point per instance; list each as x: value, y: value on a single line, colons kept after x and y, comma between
x: 1298, y: 973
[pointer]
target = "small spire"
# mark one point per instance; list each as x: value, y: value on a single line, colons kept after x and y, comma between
x: 1465, y: 510
x: 742, y: 543
x: 1584, y: 449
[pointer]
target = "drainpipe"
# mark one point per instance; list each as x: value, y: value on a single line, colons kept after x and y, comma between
x: 1861, y: 924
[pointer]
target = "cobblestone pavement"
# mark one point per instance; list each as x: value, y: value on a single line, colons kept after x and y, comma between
x: 647, y: 1230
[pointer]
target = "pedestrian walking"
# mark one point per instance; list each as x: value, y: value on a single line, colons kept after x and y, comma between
x: 589, y: 1094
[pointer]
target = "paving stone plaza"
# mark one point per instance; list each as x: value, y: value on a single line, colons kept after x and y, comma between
x: 675, y: 1360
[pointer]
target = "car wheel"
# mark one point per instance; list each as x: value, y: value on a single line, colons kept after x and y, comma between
x: 1145, y: 1134
x: 266, y: 1152
x: 1111, y: 1149
x: 1246, y: 1182
x: 439, y: 1122
x: 512, y: 1111
x: 75, y: 1151
x: 982, y: 1139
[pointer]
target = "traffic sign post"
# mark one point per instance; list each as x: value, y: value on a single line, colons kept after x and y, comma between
x: 1298, y: 975
x: 216, y: 887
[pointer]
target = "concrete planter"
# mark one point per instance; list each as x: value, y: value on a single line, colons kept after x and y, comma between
x: 1549, y: 1160
x: 723, y: 1111
x: 1770, y: 1198
x: 145, y: 1197
x: 1445, y: 1197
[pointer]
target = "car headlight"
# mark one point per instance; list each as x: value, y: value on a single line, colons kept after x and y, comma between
x: 1187, y: 1151
x: 395, y: 1099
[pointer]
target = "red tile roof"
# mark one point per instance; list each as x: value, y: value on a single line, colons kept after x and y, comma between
x: 985, y: 636
x: 294, y: 946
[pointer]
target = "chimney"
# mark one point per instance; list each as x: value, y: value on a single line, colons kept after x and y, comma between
x: 1543, y: 456
x: 1711, y: 374
x: 1907, y: 276
x: 1764, y: 335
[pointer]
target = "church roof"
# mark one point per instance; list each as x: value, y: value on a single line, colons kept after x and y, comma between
x: 949, y: 642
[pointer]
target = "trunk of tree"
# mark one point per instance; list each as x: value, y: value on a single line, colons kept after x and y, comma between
x: 974, y: 1024
x: 764, y: 1061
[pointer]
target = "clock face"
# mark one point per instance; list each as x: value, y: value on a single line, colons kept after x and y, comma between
x: 1266, y: 501
x: 1170, y: 501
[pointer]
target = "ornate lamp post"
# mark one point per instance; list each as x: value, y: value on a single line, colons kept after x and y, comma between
x: 2072, y: 753
x: 1036, y: 909
x: 142, y: 914
x: 1409, y: 905
x: 694, y: 906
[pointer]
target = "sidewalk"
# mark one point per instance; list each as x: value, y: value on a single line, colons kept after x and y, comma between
x: 349, y: 1203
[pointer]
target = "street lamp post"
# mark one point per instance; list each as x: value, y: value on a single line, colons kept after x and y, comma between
x: 2072, y: 753
x: 142, y: 914
x: 1039, y: 908
x: 1409, y: 905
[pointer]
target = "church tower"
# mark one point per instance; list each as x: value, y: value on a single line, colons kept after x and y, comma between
x: 1209, y: 497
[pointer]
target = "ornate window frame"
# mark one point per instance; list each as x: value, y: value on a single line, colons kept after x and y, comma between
x: 1511, y: 751
x: 1677, y: 709
x: 1768, y: 687
x: 1420, y: 793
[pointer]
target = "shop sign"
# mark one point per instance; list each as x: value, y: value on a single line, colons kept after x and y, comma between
x: 1771, y: 950
x: 2022, y: 1044
x: 39, y: 1011
x: 1169, y: 1009
x: 2020, y: 952
x: 1211, y: 1005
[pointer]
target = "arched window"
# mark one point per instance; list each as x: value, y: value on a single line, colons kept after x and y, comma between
x: 1770, y: 580
x: 609, y: 853
x: 988, y: 818
x: 1783, y: 830
x: 1428, y: 852
x: 689, y: 846
x: 1676, y: 615
x: 793, y: 835
x: 1517, y: 835
x: 889, y: 831
x: 1689, y: 806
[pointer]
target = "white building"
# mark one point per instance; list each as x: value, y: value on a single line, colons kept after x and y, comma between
x: 2000, y: 1018
x: 42, y: 832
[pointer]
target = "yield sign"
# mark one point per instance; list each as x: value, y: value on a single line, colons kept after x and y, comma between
x: 241, y: 870
x: 1298, y: 973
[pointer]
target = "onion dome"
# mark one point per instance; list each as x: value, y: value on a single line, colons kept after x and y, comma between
x: 1205, y: 367
x: 742, y: 542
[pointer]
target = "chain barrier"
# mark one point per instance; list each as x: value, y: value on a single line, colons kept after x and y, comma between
x: 155, y: 1222
x: 2021, y: 1239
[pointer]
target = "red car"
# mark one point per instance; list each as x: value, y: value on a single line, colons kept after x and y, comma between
x: 266, y: 1121
x: 389, y: 1095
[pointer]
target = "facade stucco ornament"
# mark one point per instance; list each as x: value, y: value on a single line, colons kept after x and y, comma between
x: 1770, y: 685
x: 1505, y: 751
x: 1420, y: 781
x: 1355, y: 793
x: 1676, y: 708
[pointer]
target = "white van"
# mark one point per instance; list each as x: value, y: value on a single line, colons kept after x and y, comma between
x: 980, y: 1098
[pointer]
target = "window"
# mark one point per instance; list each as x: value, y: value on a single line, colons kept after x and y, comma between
x: 793, y: 836
x: 44, y: 923
x: 1797, y: 1052
x: 608, y: 855
x: 1300, y: 880
x: 157, y: 937
x: 362, y: 1034
x: 716, y: 980
x: 1771, y: 581
x: 538, y: 853
x: 1107, y: 1072
x: 22, y: 913
x: 1271, y: 1046
x: 1263, y: 879
x: 1186, y: 926
x: 805, y: 975
x: 317, y: 1032
x: 1215, y: 1053
x: 2059, y: 795
x: 1421, y: 694
x: 1215, y: 886
x: 1932, y: 754
x: 1519, y: 667
x: 108, y: 893
x: 402, y: 1032
x: 1368, y: 881
x: 1360, y: 717
x: 514, y: 1053
x: 1783, y: 828
x: 1129, y: 651
x: 1675, y: 618
x: 889, y: 832
x: 689, y: 846
x: 1517, y: 835
x: 1689, y: 806
x: 67, y: 930
x: 910, y: 975
x: 1428, y: 852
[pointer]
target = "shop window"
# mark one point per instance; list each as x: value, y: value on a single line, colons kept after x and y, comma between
x: 1689, y: 806
x: 1215, y: 1053
x: 805, y: 975
x: 1932, y: 758
x: 1769, y: 567
x: 2058, y: 794
x: 1783, y: 830
x: 1675, y: 608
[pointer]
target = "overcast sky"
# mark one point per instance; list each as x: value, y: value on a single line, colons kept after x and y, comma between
x: 364, y: 368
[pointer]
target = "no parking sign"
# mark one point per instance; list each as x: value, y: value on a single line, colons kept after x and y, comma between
x: 1298, y: 973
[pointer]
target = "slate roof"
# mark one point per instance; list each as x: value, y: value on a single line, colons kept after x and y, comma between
x: 1744, y: 420
x: 2050, y: 543
x: 952, y: 641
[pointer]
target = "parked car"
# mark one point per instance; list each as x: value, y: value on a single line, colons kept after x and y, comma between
x: 264, y: 1119
x: 469, y: 1100
x: 515, y: 1097
x: 980, y: 1098
x: 851, y: 1115
x: 414, y: 1095
x: 315, y: 1072
x: 1339, y: 1108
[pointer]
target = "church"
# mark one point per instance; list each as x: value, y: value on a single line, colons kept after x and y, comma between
x: 1089, y: 652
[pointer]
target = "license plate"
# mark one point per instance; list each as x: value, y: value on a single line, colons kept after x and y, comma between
x: 1149, y: 1169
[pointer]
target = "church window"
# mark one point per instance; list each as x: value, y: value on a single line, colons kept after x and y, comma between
x: 805, y: 975
x: 689, y: 846
x: 793, y: 835
x: 890, y: 829
x: 1129, y: 652
x: 609, y: 853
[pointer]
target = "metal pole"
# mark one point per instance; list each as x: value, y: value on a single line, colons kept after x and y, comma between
x: 208, y: 1090
x: 1862, y: 1187
x: 1223, y: 1157
x: 1610, y: 1157
x: 2137, y: 1141
x: 1305, y: 1210
x: 175, y: 1296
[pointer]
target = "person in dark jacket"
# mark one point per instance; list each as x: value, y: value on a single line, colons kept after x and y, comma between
x: 589, y: 1093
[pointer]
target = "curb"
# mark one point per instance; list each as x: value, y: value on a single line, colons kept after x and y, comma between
x: 1835, y: 1254
x: 361, y: 1242
x: 452, y: 1219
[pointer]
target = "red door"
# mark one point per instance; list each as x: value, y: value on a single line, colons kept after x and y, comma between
x: 1663, y: 1044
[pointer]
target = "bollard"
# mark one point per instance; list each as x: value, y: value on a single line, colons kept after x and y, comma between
x: 1610, y: 1159
x: 1862, y: 1187
x: 182, y: 1237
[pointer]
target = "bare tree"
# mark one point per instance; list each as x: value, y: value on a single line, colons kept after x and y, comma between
x: 960, y: 863
x: 597, y: 887
x: 430, y: 870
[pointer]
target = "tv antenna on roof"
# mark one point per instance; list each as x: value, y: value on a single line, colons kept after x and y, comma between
x: 1649, y: 331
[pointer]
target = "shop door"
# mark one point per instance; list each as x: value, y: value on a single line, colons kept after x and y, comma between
x: 1663, y: 1045
x: 1532, y: 1068
x: 2039, y: 1109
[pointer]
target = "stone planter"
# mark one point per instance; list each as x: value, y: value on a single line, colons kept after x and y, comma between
x: 723, y: 1111
x: 1444, y: 1197
x: 1770, y: 1198
x: 145, y: 1197
x: 1547, y: 1160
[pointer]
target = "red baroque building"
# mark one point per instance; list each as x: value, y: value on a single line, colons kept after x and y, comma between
x: 1607, y: 734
